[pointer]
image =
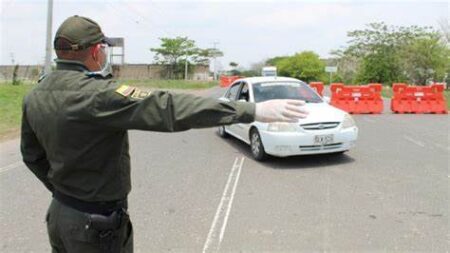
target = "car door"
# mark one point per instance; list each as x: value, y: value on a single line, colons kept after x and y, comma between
x: 244, y: 96
x: 231, y: 95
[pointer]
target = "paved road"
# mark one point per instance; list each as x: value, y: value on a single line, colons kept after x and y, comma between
x: 195, y: 192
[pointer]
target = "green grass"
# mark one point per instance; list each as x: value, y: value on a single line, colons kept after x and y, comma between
x: 447, y: 97
x: 386, y: 92
x: 11, y: 106
x: 170, y: 84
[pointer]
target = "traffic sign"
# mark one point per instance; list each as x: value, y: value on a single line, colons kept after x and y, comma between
x: 330, y: 69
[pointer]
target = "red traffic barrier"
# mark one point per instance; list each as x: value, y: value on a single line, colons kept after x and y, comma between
x: 357, y: 99
x: 317, y: 86
x: 418, y: 99
x: 225, y: 81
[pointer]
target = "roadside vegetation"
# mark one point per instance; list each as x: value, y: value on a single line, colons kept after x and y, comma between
x: 377, y: 53
x: 11, y: 97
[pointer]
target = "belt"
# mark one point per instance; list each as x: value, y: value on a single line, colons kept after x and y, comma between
x: 100, y: 207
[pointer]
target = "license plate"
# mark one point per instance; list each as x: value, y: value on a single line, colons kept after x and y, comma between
x: 323, y: 139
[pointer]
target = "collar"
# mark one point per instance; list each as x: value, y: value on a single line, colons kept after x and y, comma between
x: 70, y: 65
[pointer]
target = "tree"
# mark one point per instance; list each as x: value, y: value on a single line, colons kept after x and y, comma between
x: 255, y: 68
x: 387, y: 54
x: 425, y: 59
x: 305, y: 66
x: 15, y: 80
x: 275, y: 60
x: 233, y: 64
x: 347, y: 66
x: 203, y: 56
x: 445, y: 29
x: 174, y: 52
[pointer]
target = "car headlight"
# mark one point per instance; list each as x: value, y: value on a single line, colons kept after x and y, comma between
x: 281, y: 127
x: 348, y: 121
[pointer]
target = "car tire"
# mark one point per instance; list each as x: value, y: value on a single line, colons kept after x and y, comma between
x: 257, y: 146
x: 222, y: 132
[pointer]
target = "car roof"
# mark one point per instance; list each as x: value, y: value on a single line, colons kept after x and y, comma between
x: 262, y: 79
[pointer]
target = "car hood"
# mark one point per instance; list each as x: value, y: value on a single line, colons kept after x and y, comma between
x: 322, y: 112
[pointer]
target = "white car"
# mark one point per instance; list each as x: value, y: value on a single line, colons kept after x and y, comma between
x: 325, y: 130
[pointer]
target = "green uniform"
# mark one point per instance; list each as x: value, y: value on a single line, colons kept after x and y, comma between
x: 74, y: 139
x: 74, y: 133
x: 74, y: 129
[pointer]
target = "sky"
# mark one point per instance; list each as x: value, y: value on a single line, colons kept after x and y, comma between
x: 246, y: 31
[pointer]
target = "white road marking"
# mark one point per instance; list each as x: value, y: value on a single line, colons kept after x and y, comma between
x: 418, y: 143
x: 11, y: 166
x: 213, y: 241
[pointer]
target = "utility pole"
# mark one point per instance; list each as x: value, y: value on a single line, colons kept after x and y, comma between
x: 186, y: 68
x: 12, y: 58
x: 48, y: 45
x: 215, y: 63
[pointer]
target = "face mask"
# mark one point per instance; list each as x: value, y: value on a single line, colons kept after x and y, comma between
x: 105, y: 70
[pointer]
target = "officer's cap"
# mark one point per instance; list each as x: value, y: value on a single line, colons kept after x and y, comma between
x: 81, y: 32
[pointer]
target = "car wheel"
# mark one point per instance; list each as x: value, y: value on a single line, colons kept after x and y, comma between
x: 222, y: 132
x: 257, y: 147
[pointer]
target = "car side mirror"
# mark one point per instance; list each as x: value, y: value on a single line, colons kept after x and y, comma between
x: 327, y: 99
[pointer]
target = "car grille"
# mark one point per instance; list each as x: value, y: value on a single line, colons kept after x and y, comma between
x: 321, y: 147
x: 320, y: 126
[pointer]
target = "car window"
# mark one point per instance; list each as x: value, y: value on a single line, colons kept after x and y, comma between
x: 232, y: 93
x: 284, y: 90
x: 243, y: 94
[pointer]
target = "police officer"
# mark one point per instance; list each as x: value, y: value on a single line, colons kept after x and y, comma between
x: 74, y: 137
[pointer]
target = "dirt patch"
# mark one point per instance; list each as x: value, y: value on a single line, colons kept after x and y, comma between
x: 10, y: 135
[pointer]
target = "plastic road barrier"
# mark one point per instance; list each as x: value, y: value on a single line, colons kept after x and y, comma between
x: 225, y: 81
x: 418, y: 99
x: 357, y: 99
x: 318, y: 86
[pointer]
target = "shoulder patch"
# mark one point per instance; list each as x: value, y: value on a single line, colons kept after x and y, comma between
x: 125, y: 90
x: 140, y: 94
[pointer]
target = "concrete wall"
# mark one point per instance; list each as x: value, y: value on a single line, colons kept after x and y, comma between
x: 126, y: 71
x: 28, y: 72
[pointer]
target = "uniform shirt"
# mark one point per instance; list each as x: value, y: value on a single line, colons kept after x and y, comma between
x: 74, y: 128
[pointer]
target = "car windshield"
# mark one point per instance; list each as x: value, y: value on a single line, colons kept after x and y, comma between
x: 284, y: 90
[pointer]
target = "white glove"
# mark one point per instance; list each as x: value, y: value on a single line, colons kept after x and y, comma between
x: 280, y: 110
